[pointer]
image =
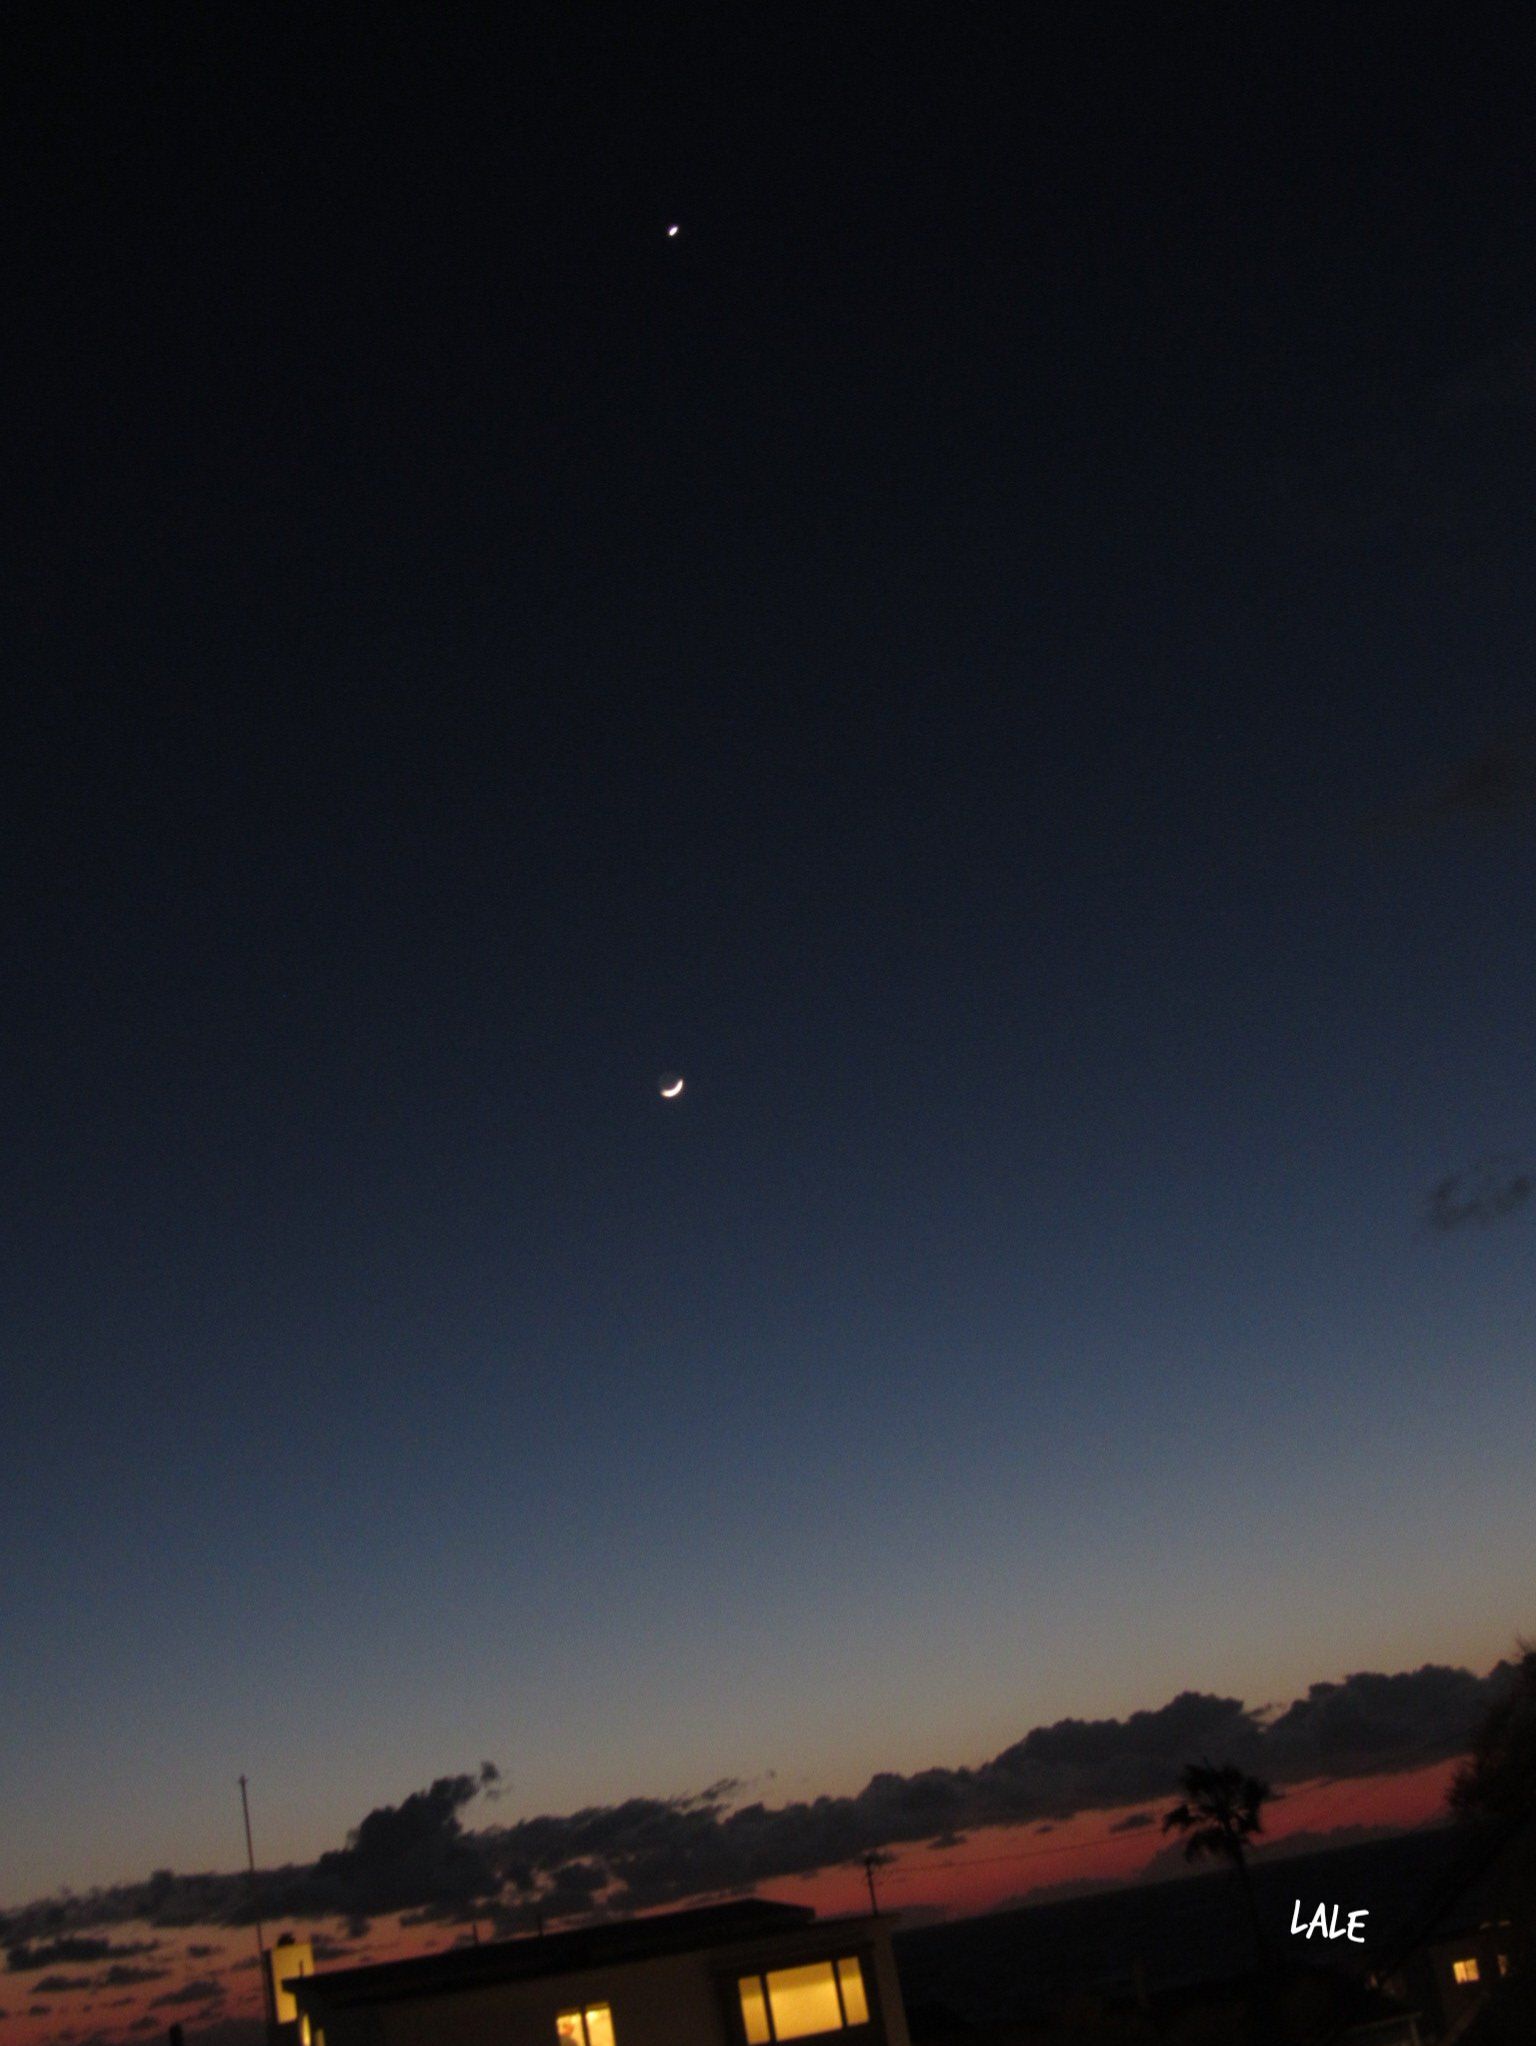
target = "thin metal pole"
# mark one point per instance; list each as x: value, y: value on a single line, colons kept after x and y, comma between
x: 268, y: 1999
x: 869, y: 1877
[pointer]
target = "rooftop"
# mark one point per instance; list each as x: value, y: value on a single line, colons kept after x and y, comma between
x: 556, y: 1953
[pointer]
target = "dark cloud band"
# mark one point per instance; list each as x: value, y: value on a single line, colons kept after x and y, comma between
x: 417, y: 1859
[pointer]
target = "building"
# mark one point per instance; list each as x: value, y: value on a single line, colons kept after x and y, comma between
x: 1470, y: 1939
x: 749, y: 1973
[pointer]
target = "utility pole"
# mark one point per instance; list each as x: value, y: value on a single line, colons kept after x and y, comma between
x: 268, y: 1999
x: 869, y: 1877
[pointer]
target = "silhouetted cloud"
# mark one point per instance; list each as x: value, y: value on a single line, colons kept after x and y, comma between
x: 122, y: 1973
x: 417, y: 1859
x: 1370, y: 1723
x: 23, y: 1958
x: 404, y: 1855
x: 203, y: 1990
x: 1133, y: 1822
x: 1491, y: 1188
x: 57, y: 1985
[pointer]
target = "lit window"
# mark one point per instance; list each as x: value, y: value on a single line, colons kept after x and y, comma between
x: 590, y: 2027
x: 754, y: 2010
x: 804, y: 2001
x: 801, y: 2003
x: 851, y: 1981
x: 1465, y: 1971
x: 1503, y: 1964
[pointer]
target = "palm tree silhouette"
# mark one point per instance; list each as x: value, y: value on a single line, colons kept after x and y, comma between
x: 1220, y: 1814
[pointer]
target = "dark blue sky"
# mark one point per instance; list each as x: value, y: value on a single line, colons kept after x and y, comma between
x: 972, y: 653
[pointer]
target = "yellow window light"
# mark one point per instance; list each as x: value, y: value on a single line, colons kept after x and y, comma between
x: 599, y: 2025
x: 804, y: 2001
x: 754, y: 2010
x: 850, y: 1979
x: 592, y: 2026
x: 290, y: 1959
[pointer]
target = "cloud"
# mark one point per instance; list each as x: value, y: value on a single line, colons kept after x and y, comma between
x: 58, y: 1985
x: 202, y: 1990
x: 121, y: 1974
x: 325, y: 1950
x: 22, y: 1958
x: 1133, y: 1822
x: 413, y: 1853
x: 417, y: 1859
x: 1491, y: 1188
x: 1371, y: 1723
x: 401, y: 1857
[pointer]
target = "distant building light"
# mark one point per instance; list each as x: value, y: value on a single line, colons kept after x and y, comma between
x: 1466, y: 1971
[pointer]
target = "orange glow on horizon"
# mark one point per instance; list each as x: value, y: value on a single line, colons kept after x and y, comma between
x: 985, y: 1870
x: 992, y: 1867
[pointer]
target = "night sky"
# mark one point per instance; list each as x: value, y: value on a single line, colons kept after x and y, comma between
x: 1002, y: 651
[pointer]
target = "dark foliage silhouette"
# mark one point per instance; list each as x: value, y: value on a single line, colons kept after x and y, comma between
x: 1221, y: 1812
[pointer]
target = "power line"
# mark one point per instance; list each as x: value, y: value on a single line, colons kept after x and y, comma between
x: 1019, y: 1854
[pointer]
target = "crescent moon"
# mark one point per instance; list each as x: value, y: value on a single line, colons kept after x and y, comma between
x: 671, y: 1093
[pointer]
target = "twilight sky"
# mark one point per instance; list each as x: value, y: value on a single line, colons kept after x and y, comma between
x: 1003, y: 652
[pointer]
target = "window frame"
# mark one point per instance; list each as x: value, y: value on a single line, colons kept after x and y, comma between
x: 870, y: 2025
x: 580, y: 2012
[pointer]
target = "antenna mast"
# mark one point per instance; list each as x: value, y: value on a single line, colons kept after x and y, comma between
x: 268, y: 2000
